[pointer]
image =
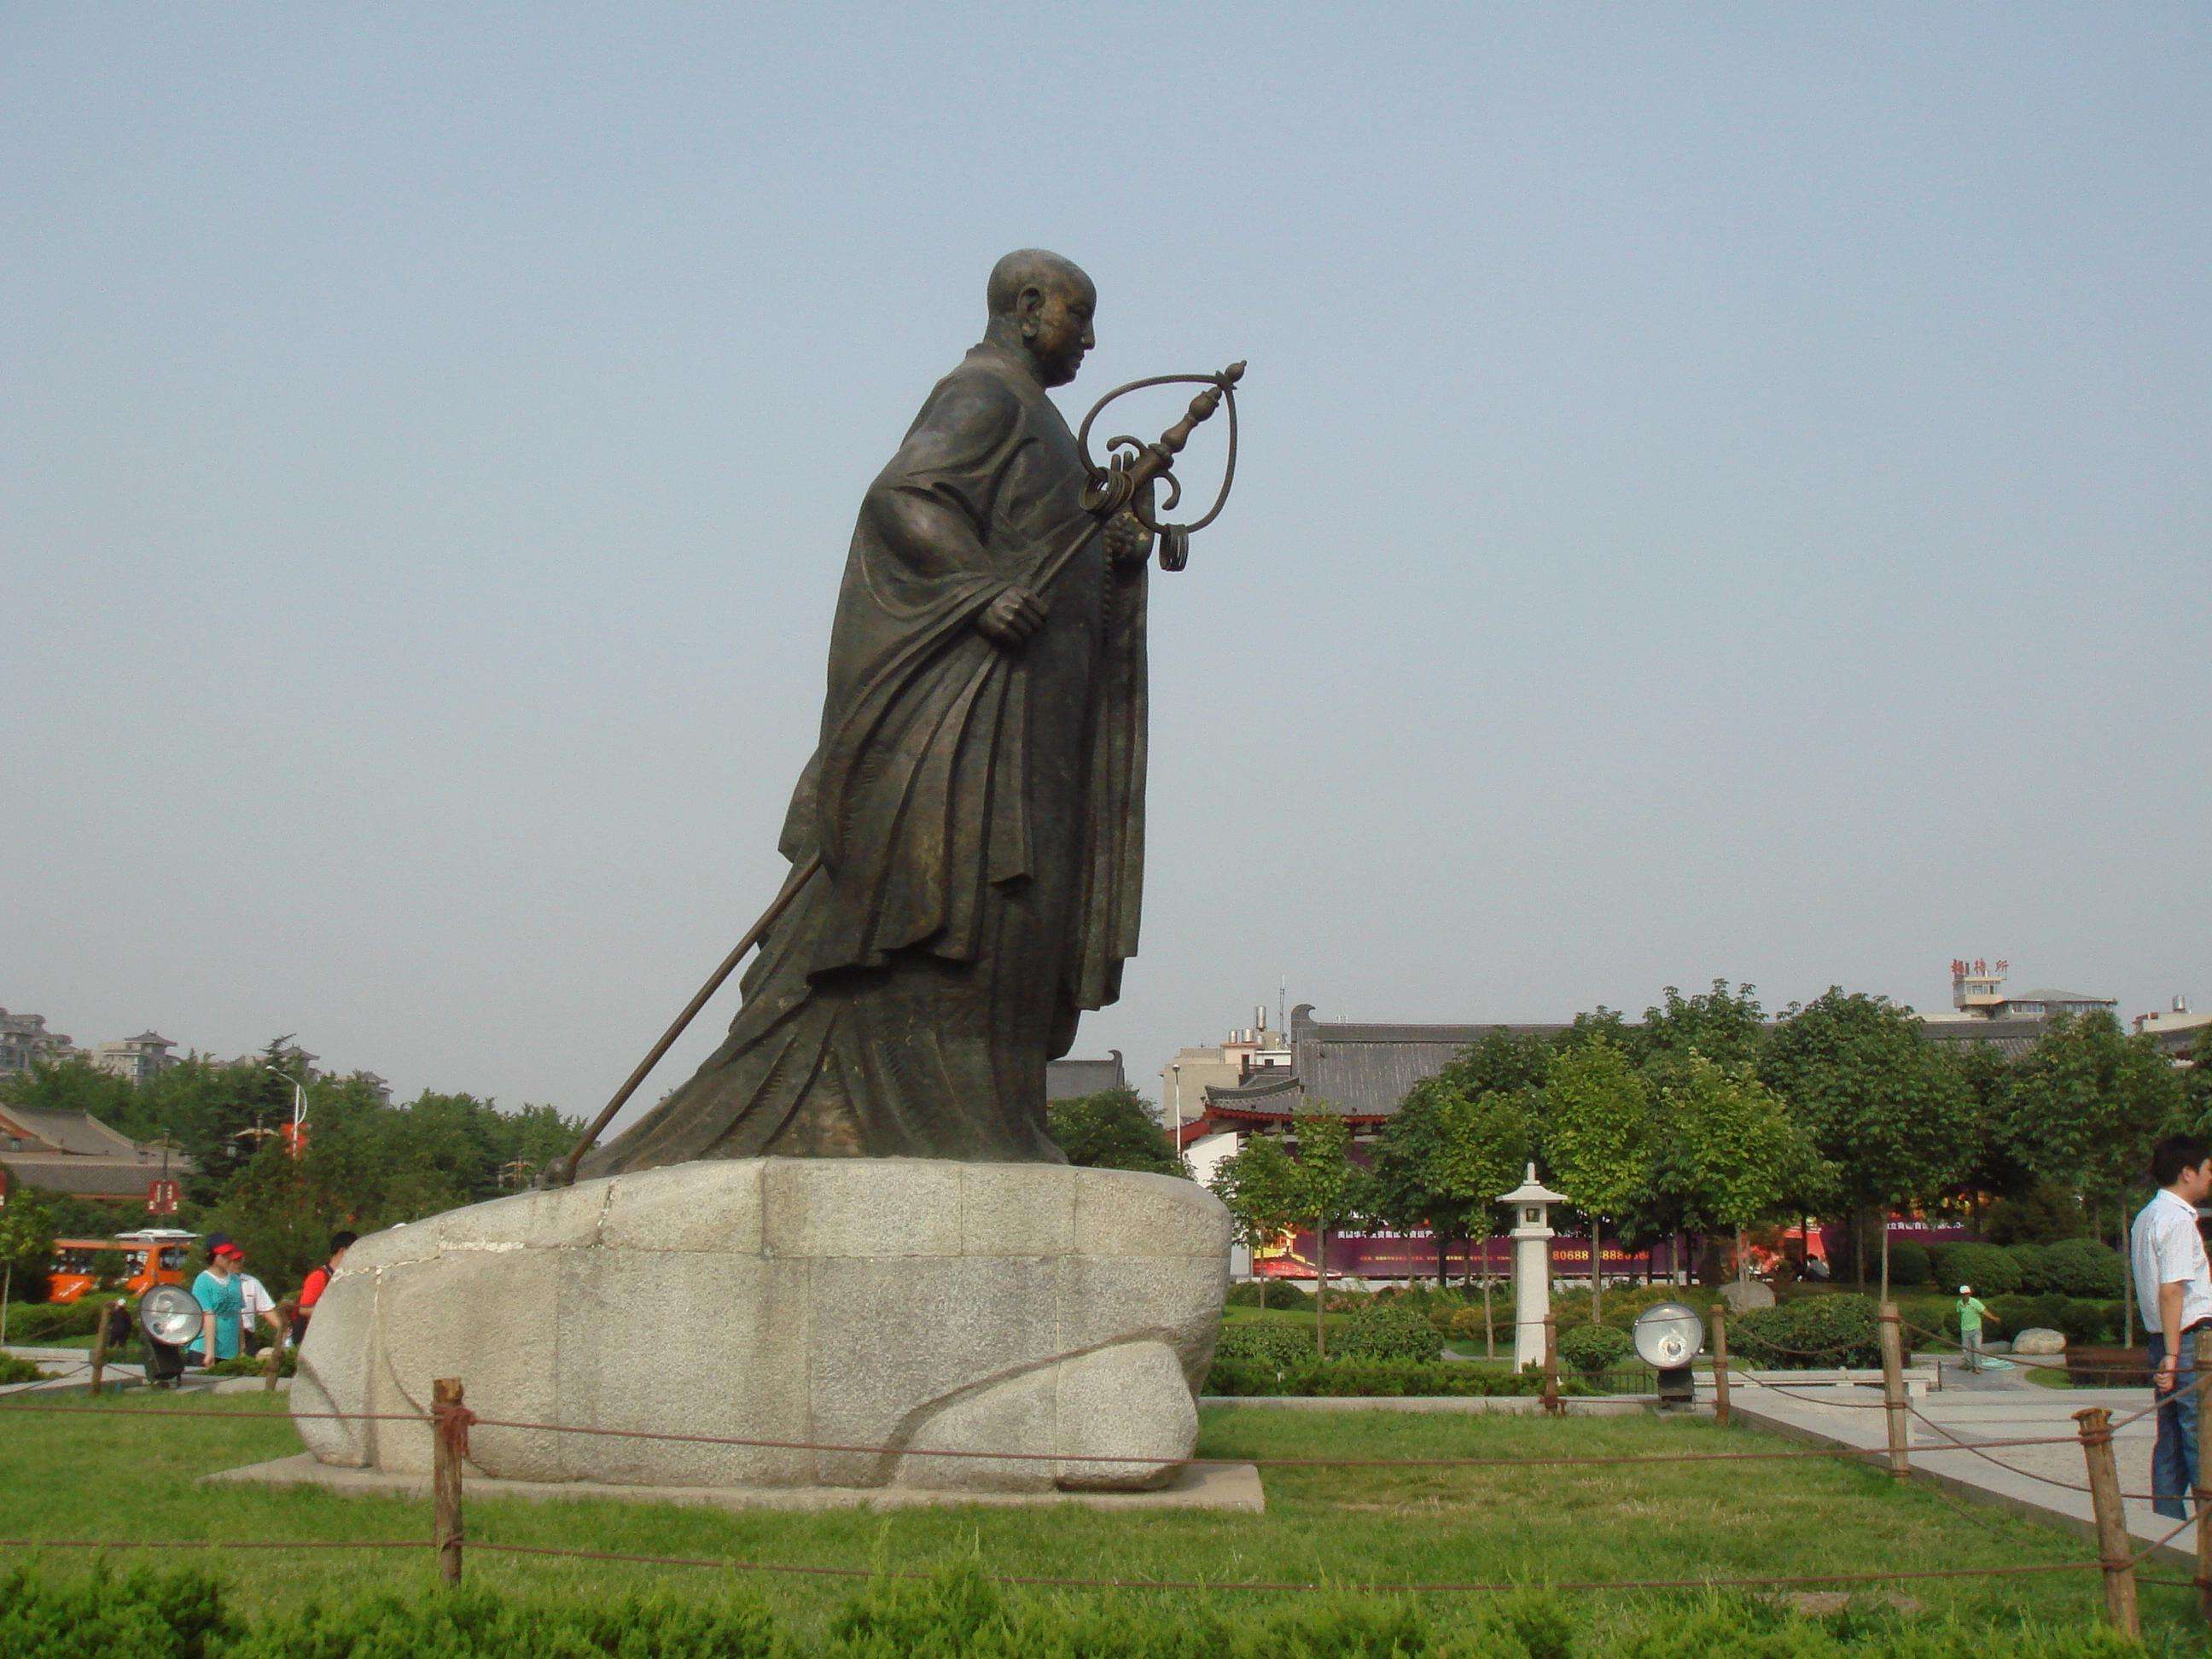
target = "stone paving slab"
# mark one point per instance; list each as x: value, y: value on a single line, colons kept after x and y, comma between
x: 1234, y: 1487
x: 2043, y: 1483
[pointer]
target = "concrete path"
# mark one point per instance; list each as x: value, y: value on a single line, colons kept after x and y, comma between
x: 2046, y: 1483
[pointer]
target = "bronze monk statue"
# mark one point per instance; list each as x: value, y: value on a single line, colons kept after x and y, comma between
x: 968, y: 840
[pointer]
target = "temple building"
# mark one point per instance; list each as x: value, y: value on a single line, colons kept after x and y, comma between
x: 74, y: 1152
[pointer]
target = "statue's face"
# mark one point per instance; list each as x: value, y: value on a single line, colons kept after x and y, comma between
x: 1056, y: 326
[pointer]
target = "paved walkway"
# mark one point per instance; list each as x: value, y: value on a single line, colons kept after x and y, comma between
x: 2048, y: 1483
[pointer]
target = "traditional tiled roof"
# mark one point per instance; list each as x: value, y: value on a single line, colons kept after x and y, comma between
x: 2011, y: 1037
x: 34, y: 1129
x: 1071, y: 1079
x: 85, y: 1177
x: 1365, y: 1070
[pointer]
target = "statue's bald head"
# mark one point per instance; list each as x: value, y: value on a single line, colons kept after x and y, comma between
x: 1041, y: 304
x: 1031, y: 268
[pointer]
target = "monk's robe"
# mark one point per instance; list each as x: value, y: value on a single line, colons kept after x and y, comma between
x: 978, y: 813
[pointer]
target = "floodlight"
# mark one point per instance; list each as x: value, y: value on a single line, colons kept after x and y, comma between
x: 171, y: 1317
x: 1668, y: 1338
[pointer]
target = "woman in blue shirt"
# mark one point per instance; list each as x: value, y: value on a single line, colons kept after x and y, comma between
x: 222, y: 1302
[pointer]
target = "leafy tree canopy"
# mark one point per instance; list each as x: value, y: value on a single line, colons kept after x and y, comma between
x: 1893, y: 1117
x: 1113, y: 1129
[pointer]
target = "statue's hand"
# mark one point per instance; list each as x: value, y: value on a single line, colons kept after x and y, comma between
x: 1011, y: 618
x: 1127, y: 541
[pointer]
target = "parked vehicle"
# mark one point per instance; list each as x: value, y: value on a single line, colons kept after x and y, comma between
x: 132, y: 1261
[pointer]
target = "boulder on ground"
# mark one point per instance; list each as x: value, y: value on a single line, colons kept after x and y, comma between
x: 855, y: 1314
x: 1742, y: 1296
x: 2039, y: 1339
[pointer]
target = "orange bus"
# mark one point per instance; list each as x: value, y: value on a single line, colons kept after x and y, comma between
x: 80, y: 1264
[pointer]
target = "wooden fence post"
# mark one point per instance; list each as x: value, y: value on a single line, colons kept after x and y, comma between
x: 2203, y: 1492
x: 1551, y: 1364
x: 2114, y: 1553
x: 100, y: 1348
x: 449, y: 1428
x: 1892, y: 1391
x: 1720, y: 1364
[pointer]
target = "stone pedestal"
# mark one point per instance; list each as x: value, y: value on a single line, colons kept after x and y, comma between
x: 841, y: 1302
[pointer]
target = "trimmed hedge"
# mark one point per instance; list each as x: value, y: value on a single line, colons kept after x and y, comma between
x: 40, y: 1321
x: 1278, y: 1345
x: 2081, y: 1267
x: 1374, y: 1379
x: 1991, y: 1269
x: 1396, y: 1329
x: 1590, y: 1349
x: 1909, y: 1264
x: 958, y: 1609
x: 1808, y: 1332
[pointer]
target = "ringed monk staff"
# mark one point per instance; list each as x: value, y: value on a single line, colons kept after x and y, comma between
x: 976, y: 800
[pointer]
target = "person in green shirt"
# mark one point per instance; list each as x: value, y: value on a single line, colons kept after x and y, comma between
x: 222, y: 1304
x: 1971, y: 1313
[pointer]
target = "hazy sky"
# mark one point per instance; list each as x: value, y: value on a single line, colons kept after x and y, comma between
x: 1725, y: 492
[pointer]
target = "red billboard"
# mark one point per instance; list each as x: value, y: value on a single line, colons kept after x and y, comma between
x: 1410, y: 1253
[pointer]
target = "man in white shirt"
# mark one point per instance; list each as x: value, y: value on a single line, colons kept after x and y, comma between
x: 257, y: 1305
x: 2173, y: 1288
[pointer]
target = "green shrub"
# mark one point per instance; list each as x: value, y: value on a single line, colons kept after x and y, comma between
x: 1909, y: 1264
x: 247, y: 1365
x: 42, y: 1321
x: 960, y: 1609
x: 1991, y: 1270
x: 15, y: 1368
x: 1396, y: 1330
x: 153, y: 1614
x: 1811, y: 1333
x: 2033, y: 1265
x: 2044, y: 1216
x: 1590, y: 1349
x: 1277, y: 1346
x: 2083, y: 1322
x: 1369, y: 1379
x: 2083, y: 1266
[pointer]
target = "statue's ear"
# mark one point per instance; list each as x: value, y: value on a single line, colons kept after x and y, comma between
x: 1030, y: 306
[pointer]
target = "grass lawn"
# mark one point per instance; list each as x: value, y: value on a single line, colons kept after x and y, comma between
x: 64, y: 1474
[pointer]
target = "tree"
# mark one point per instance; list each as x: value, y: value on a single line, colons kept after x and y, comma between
x: 1728, y: 1153
x: 1726, y: 1027
x: 27, y: 1241
x: 1597, y: 1128
x: 1113, y: 1129
x: 2197, y: 1085
x: 1877, y: 1101
x: 1997, y: 1165
x: 1483, y: 1143
x: 1441, y: 1160
x: 1260, y: 1186
x: 2088, y: 1101
x: 1405, y: 1186
x: 1328, y: 1189
x: 1500, y: 1061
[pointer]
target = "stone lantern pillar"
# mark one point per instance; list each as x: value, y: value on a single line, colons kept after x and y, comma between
x: 1532, y: 1266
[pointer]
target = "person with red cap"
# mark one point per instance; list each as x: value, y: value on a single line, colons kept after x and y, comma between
x: 222, y: 1304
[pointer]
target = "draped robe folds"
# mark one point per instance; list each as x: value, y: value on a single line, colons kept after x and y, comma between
x: 978, y: 813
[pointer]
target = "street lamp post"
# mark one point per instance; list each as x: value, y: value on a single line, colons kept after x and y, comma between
x: 1174, y: 1070
x: 299, y: 1096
